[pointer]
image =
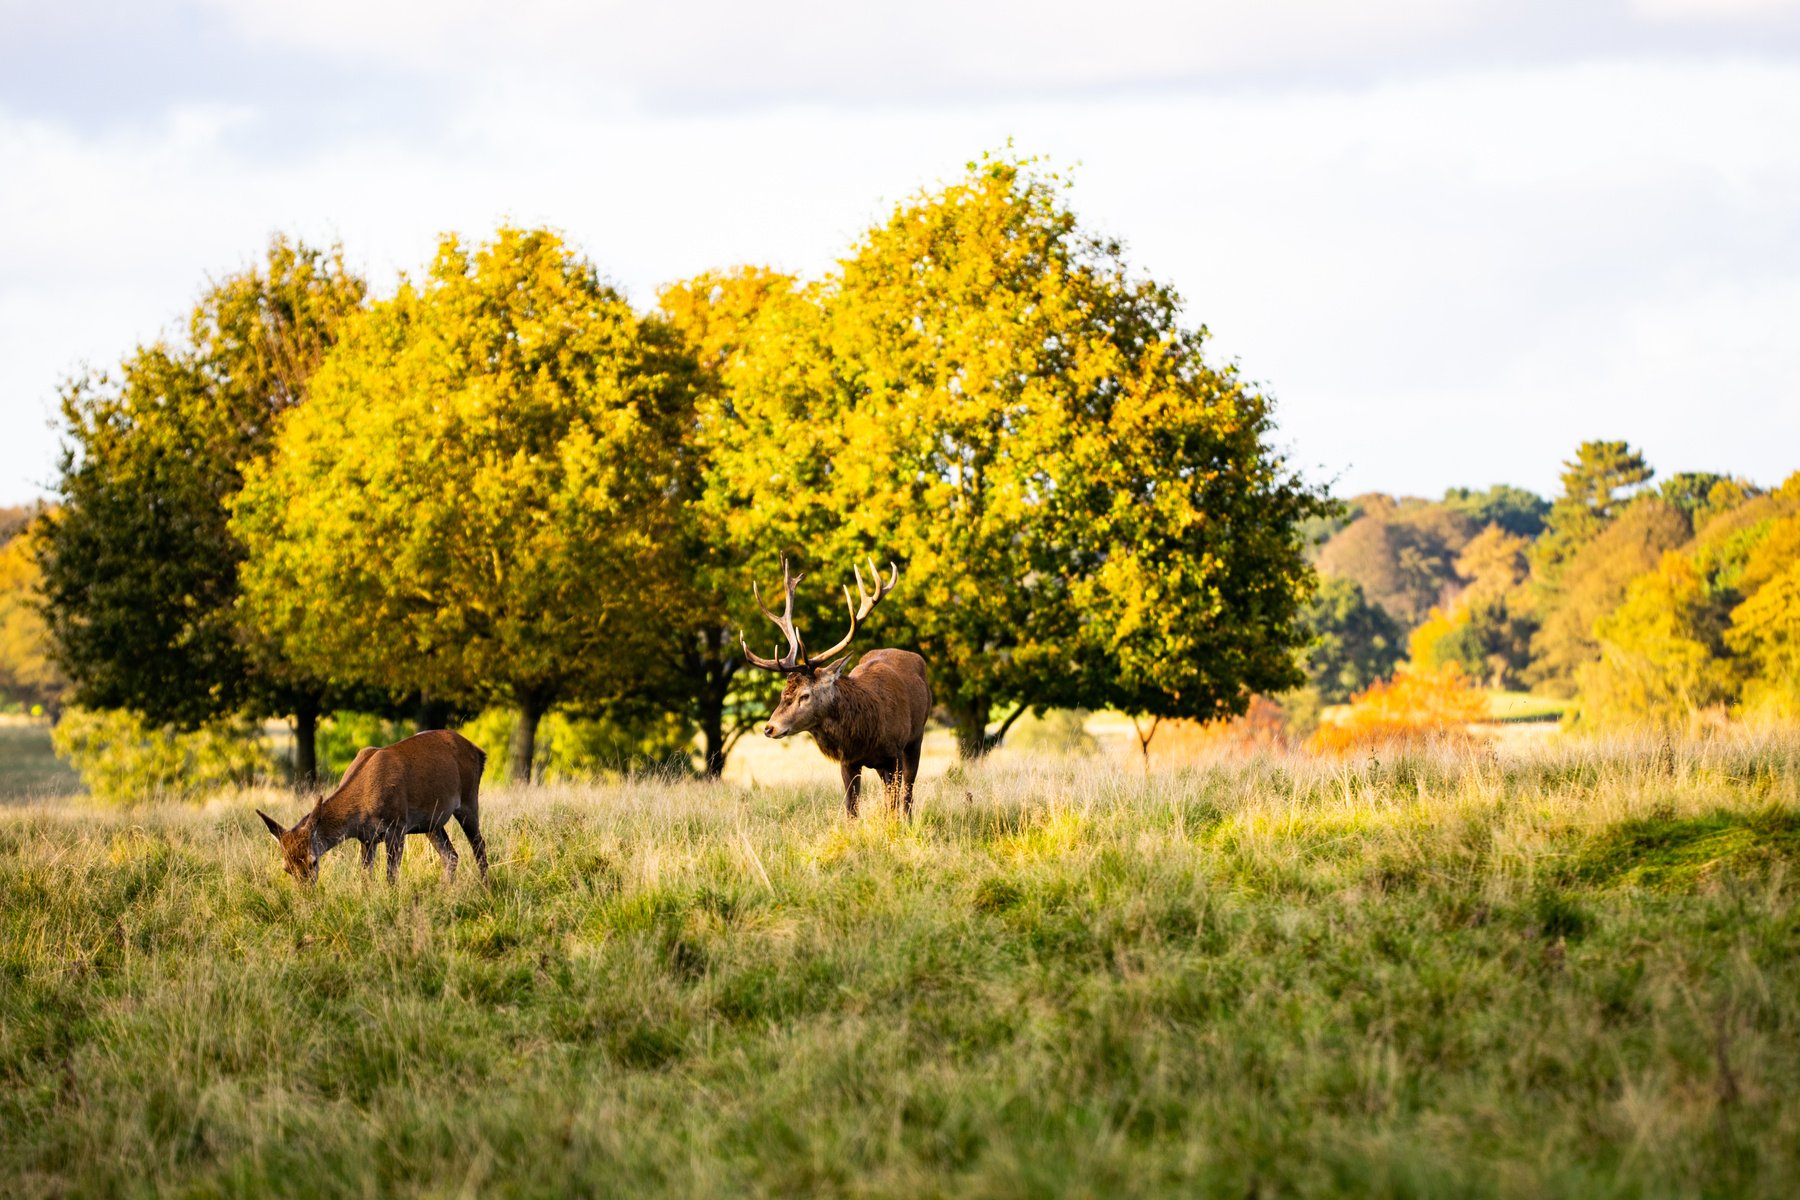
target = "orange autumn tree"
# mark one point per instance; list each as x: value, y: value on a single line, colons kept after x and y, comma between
x: 1414, y: 706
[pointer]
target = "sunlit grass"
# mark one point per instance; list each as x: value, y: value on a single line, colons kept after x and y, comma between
x: 1568, y: 970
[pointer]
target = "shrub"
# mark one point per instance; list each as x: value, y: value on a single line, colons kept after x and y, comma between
x: 1262, y: 726
x: 343, y: 734
x: 577, y: 747
x: 1413, y: 706
x: 122, y: 759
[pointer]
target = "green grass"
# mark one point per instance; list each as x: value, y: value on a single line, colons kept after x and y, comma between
x: 1574, y: 971
x: 29, y: 769
x: 1525, y: 708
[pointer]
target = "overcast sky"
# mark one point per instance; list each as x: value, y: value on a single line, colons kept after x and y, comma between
x: 1452, y: 239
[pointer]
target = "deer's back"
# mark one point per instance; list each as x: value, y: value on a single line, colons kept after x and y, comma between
x: 417, y: 781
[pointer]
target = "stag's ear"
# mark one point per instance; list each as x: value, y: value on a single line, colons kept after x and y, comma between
x: 830, y: 672
x: 274, y: 825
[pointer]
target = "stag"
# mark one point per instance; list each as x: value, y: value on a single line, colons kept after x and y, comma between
x: 871, y: 717
x: 412, y: 786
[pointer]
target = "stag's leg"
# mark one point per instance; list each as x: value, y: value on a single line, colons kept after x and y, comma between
x: 440, y: 837
x: 852, y: 787
x: 909, y: 771
x: 368, y: 849
x: 470, y: 820
x: 890, y: 784
x: 396, y: 846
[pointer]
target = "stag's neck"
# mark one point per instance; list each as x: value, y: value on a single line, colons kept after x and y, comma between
x: 852, y: 724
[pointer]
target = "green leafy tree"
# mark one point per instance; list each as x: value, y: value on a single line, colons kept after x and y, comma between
x: 476, y: 499
x: 1354, y: 642
x: 140, y: 567
x: 1596, y: 485
x: 1085, y: 511
x: 1515, y: 510
x: 1700, y: 494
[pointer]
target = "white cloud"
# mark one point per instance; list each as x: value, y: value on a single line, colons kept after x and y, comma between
x: 1444, y: 281
x: 1727, y: 9
x: 1048, y: 44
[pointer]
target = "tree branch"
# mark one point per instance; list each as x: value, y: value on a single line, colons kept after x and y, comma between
x: 991, y: 741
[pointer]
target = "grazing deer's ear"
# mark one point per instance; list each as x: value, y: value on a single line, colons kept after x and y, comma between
x: 832, y: 671
x: 274, y: 826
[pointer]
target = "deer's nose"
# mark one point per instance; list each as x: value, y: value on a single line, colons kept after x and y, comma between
x: 768, y: 731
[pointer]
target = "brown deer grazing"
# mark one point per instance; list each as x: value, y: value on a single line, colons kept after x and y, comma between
x: 412, y: 786
x: 872, y: 717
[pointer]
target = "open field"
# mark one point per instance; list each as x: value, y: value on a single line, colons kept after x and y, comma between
x: 1568, y: 971
x: 29, y: 769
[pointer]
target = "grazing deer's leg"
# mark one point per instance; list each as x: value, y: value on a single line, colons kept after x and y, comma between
x: 368, y: 849
x: 470, y: 820
x: 440, y: 837
x: 852, y: 787
x: 396, y: 846
x: 909, y: 771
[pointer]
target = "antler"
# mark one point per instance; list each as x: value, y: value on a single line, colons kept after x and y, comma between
x: 859, y: 611
x: 795, y: 658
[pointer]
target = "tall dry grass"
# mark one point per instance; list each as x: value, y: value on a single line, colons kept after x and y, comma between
x: 1555, y: 970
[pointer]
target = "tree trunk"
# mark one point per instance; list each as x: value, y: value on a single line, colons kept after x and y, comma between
x: 970, y: 719
x: 712, y: 735
x: 431, y: 714
x: 523, y: 747
x: 306, y: 744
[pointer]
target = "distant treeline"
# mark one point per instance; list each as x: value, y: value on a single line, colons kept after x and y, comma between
x: 1649, y: 603
x: 499, y: 488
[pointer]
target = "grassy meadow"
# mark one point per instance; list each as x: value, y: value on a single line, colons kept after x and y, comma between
x: 1555, y: 969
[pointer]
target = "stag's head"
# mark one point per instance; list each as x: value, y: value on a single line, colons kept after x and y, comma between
x: 299, y: 849
x: 811, y: 691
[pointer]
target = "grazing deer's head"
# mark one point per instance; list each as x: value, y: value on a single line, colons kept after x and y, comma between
x: 299, y: 847
x: 811, y: 691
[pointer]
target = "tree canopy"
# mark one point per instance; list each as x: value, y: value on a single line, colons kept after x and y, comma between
x: 1596, y: 484
x: 28, y: 674
x: 477, y: 498
x: 140, y: 567
x: 1355, y: 643
x: 1593, y: 582
x: 717, y: 315
x: 1083, y: 507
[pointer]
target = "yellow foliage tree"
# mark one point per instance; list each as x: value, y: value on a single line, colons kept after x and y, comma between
x: 1765, y: 627
x: 1087, y: 513
x: 27, y: 673
x: 1661, y: 655
x: 475, y: 500
x: 717, y: 314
